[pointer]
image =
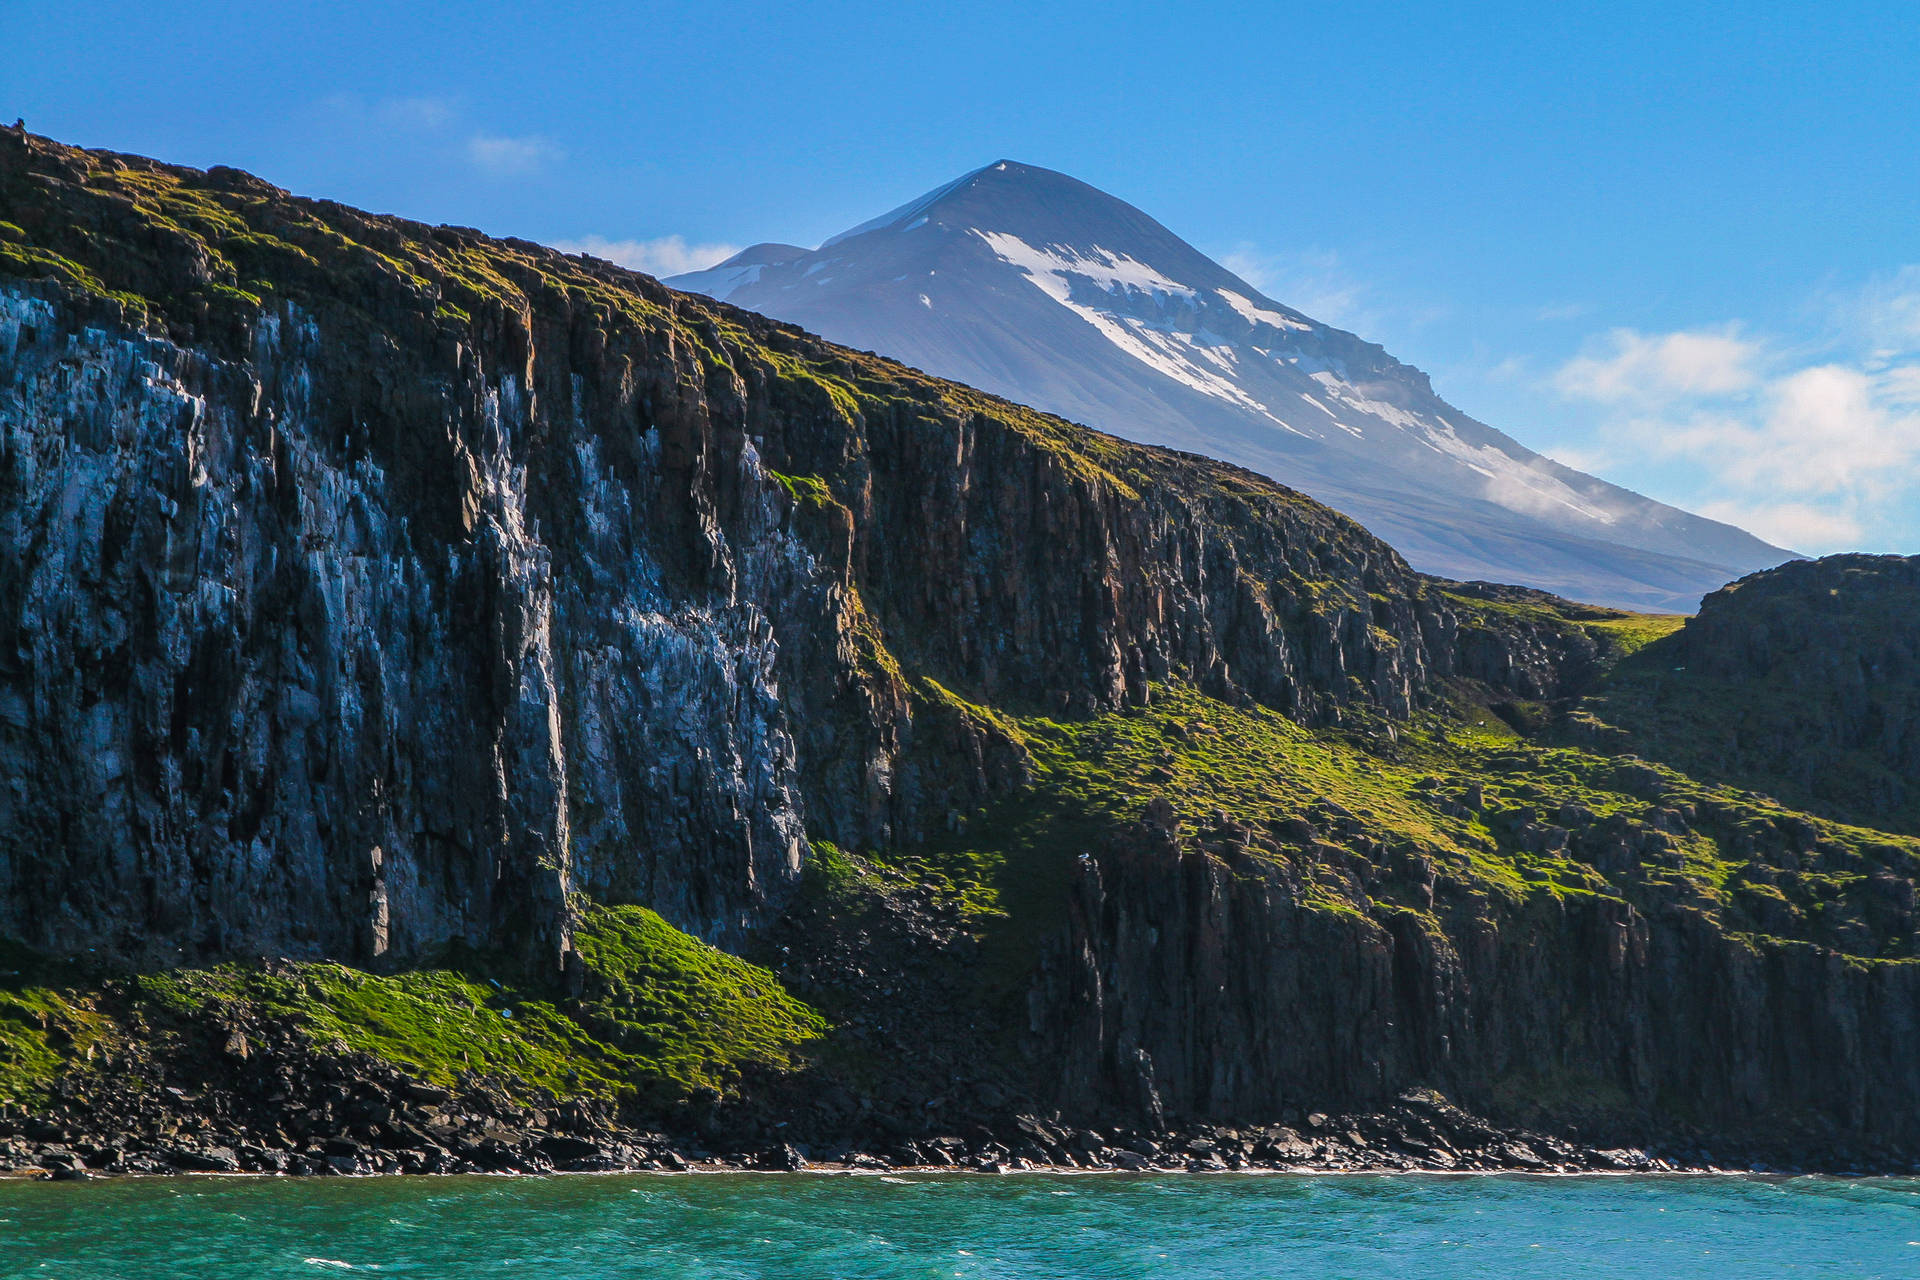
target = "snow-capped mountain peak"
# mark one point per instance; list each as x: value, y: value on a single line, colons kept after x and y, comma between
x: 1038, y: 287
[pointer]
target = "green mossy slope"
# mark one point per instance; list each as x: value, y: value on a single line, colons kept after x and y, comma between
x: 659, y: 1015
x: 1499, y: 816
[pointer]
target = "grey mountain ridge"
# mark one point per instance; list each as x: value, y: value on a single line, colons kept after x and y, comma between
x: 1035, y: 286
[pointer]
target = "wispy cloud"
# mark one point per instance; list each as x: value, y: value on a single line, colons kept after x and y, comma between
x: 1662, y: 367
x: 1800, y: 525
x: 422, y: 124
x: 414, y: 115
x: 1593, y: 461
x: 421, y: 114
x: 441, y: 126
x: 1828, y: 430
x: 1886, y: 312
x: 505, y: 157
x: 1816, y: 454
x: 666, y: 256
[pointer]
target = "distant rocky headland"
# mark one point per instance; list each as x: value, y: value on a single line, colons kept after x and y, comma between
x: 464, y: 706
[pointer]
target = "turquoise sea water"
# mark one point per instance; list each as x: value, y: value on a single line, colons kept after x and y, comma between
x: 1030, y: 1227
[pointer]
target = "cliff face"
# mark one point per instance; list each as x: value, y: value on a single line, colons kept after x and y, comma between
x: 1540, y: 932
x: 368, y: 588
x: 273, y: 684
x: 1587, y: 1007
x: 1827, y: 653
x: 1680, y: 947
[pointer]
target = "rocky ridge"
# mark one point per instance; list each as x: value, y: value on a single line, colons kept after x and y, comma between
x: 1800, y: 682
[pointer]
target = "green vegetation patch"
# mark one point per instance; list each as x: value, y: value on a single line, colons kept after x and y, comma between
x: 41, y: 1032
x: 659, y: 1014
x: 1632, y: 632
x: 43, y: 1025
x: 1203, y: 755
x: 693, y: 1014
x: 806, y: 491
x: 438, y: 1025
x: 1510, y: 823
x: 1617, y: 633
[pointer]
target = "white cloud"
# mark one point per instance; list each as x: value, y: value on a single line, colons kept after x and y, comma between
x: 1799, y: 525
x: 1662, y: 367
x: 1815, y: 456
x: 1833, y: 429
x: 1900, y: 386
x: 411, y: 116
x: 1511, y: 369
x: 1825, y: 431
x: 417, y: 114
x: 667, y: 256
x: 511, y: 157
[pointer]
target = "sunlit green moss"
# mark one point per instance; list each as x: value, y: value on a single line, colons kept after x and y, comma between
x: 693, y: 1014
x: 45, y: 1027
x: 660, y: 1014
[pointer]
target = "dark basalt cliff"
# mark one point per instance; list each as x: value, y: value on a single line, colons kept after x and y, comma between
x: 387, y: 593
x: 1570, y: 1006
x: 443, y: 577
x: 1740, y: 999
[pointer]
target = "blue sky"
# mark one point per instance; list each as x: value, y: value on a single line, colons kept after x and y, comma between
x: 1675, y: 243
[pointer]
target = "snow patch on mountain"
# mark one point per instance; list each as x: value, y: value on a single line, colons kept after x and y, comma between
x: 1181, y: 356
x: 1255, y: 314
x: 1105, y: 270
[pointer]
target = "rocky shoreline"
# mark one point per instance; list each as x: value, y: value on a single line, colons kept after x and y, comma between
x: 248, y: 1094
x: 1369, y: 1143
x: 406, y: 1127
